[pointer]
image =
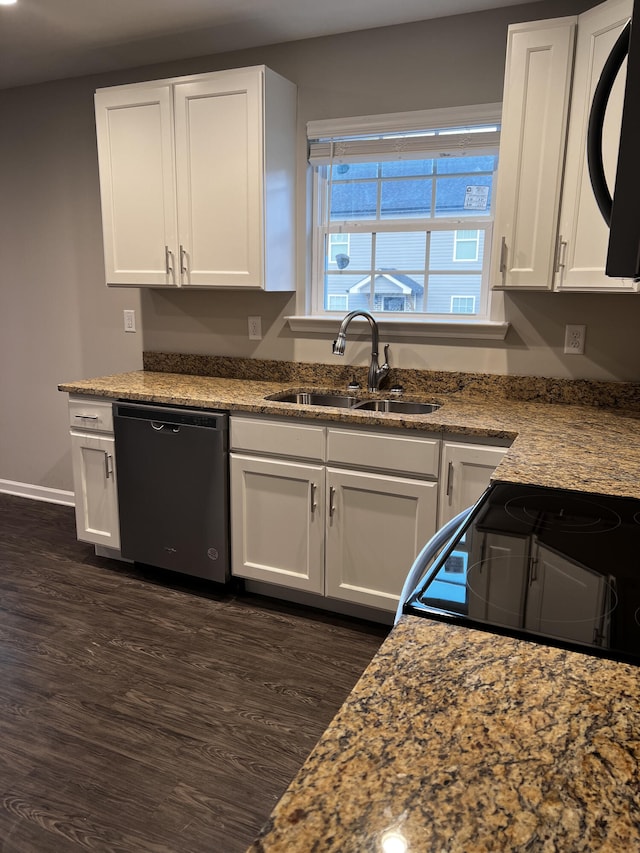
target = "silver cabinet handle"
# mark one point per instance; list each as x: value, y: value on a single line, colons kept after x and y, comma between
x: 332, y: 501
x: 561, y: 253
x: 108, y: 465
x: 503, y: 256
x: 314, y: 504
x: 168, y: 260
x: 449, y: 479
x: 87, y: 417
x: 183, y: 261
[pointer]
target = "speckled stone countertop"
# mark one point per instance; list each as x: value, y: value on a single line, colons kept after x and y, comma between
x: 462, y: 741
x: 582, y: 447
x: 456, y: 739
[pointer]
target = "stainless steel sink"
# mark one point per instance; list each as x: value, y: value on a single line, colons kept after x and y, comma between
x: 311, y: 398
x: 346, y: 401
x: 407, y: 407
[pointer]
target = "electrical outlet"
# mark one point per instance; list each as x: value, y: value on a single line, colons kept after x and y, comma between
x: 129, y: 320
x: 255, y: 328
x: 574, y: 339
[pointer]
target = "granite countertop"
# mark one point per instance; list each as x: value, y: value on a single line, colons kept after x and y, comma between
x: 456, y: 739
x: 580, y: 447
x: 459, y: 740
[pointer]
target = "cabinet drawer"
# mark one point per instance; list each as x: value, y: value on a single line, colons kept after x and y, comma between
x: 300, y: 441
x: 384, y: 451
x: 90, y: 415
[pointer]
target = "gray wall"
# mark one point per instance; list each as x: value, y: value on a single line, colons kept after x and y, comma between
x: 58, y: 322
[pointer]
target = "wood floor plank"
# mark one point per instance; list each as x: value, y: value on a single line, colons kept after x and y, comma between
x: 145, y: 711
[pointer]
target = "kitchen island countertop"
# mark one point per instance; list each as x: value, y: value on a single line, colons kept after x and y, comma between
x: 460, y: 740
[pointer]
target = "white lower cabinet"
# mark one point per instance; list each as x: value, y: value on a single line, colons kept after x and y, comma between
x: 466, y: 471
x: 376, y: 524
x: 94, y: 472
x: 277, y: 522
x: 348, y: 533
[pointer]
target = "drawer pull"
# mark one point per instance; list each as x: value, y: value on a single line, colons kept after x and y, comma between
x: 87, y: 417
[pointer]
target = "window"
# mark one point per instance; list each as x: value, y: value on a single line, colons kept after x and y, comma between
x: 337, y: 302
x: 463, y: 305
x: 402, y: 218
x: 466, y: 245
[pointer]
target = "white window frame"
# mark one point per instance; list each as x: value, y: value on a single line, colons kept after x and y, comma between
x: 489, y: 323
x: 309, y: 317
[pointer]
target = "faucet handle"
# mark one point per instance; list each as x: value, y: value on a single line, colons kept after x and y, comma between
x: 386, y: 356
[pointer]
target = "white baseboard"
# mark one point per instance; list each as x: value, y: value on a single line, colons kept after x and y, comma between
x: 37, y: 493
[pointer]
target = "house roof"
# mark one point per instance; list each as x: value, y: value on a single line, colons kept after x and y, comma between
x: 404, y: 283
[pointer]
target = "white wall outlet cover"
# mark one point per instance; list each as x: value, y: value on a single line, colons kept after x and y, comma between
x: 255, y: 328
x: 574, y: 336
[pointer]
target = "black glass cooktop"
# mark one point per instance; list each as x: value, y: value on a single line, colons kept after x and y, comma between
x: 545, y: 564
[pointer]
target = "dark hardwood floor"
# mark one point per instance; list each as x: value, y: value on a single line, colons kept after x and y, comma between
x: 142, y: 711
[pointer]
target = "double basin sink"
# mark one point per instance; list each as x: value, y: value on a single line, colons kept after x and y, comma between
x: 346, y: 401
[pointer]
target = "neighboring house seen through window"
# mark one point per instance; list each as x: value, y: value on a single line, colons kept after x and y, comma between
x: 402, y: 219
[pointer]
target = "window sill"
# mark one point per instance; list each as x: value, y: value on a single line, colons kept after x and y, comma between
x: 392, y: 327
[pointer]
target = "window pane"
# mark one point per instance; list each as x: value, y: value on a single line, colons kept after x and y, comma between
x: 354, y: 200
x: 395, y: 292
x: 338, y: 289
x: 355, y: 255
x: 401, y: 250
x: 403, y: 168
x: 338, y: 251
x: 466, y: 250
x: 351, y: 171
x: 465, y: 165
x: 403, y: 198
x: 444, y: 250
x: 442, y: 287
x: 464, y: 196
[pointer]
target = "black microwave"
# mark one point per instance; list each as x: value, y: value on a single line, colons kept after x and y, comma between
x: 620, y: 211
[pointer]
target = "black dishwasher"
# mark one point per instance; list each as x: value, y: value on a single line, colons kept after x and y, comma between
x: 173, y: 488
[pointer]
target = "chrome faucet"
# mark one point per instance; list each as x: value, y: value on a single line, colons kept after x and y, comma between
x: 376, y: 373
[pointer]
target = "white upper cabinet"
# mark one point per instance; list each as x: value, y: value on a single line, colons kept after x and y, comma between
x: 583, y: 234
x: 532, y: 139
x: 549, y: 233
x: 197, y: 181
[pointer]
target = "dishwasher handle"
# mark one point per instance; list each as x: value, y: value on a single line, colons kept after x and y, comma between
x: 157, y: 425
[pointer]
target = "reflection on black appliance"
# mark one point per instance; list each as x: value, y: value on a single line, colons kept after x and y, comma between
x: 544, y: 563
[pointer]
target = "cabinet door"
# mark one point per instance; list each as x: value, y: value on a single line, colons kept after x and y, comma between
x: 583, y: 234
x: 277, y: 522
x: 137, y: 186
x: 532, y: 144
x: 375, y: 527
x: 219, y: 162
x: 96, y: 495
x: 466, y: 472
